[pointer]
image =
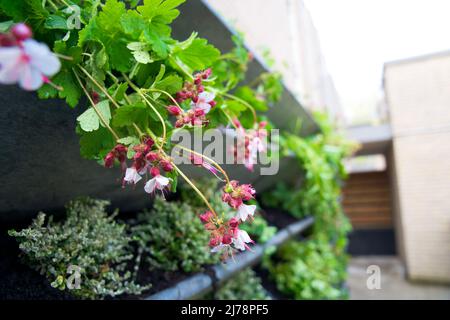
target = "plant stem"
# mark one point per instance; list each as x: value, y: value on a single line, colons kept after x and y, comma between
x: 171, y: 59
x: 139, y: 92
x: 245, y: 103
x: 195, y: 188
x: 99, y: 114
x: 207, y: 158
x: 167, y: 94
x: 140, y: 133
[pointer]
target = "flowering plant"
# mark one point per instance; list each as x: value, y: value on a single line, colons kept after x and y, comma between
x: 142, y: 86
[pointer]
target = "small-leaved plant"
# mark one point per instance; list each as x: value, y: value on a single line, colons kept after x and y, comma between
x: 86, y: 253
x: 308, y: 270
x: 172, y: 237
x: 245, y: 286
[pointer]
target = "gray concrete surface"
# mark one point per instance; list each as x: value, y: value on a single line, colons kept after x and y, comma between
x: 393, y: 284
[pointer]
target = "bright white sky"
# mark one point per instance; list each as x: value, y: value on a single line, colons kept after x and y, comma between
x: 358, y: 36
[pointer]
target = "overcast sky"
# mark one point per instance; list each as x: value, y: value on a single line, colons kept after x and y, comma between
x: 358, y: 36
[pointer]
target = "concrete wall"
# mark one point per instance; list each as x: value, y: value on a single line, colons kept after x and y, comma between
x: 418, y: 94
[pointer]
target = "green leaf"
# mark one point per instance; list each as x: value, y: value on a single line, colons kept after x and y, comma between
x: 55, y: 22
x: 107, y: 29
x: 6, y: 25
x: 131, y: 140
x: 198, y: 56
x: 172, y: 83
x: 247, y: 94
x: 93, y: 145
x: 157, y: 42
x: 126, y: 115
x: 160, y: 11
x: 90, y: 121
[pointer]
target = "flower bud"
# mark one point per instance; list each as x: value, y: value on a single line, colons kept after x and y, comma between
x: 212, y: 103
x: 154, y: 171
x: 233, y: 223
x: 109, y: 160
x: 205, y: 217
x: 199, y: 112
x: 152, y: 156
x: 174, y: 110
x: 149, y: 142
x: 166, y: 165
x: 21, y: 32
x: 215, y: 241
x: 227, y: 239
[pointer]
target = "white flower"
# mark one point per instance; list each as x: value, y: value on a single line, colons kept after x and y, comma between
x: 158, y: 182
x: 203, y: 101
x: 132, y: 176
x: 241, y: 239
x: 29, y: 65
x: 244, y: 211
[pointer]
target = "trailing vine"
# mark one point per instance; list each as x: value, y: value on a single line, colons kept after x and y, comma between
x: 142, y: 86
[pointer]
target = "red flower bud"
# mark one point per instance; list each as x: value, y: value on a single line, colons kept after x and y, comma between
x: 227, y: 239
x: 206, y: 73
x: 109, y: 160
x: 205, y: 217
x: 199, y: 112
x: 195, y: 99
x: 215, y: 241
x: 21, y: 32
x: 174, y: 110
x: 154, y: 171
x: 200, y: 88
x: 7, y: 40
x: 198, y: 80
x: 179, y: 123
x: 212, y: 103
x: 233, y: 223
x: 149, y: 142
x: 166, y: 165
x: 152, y: 156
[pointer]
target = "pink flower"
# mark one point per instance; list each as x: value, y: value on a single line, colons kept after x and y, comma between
x: 206, y: 217
x: 234, y: 194
x: 203, y: 102
x: 244, y: 211
x: 241, y: 239
x: 132, y: 176
x: 174, y: 110
x: 30, y: 64
x: 158, y: 182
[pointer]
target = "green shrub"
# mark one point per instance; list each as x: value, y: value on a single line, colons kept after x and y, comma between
x: 246, y: 285
x: 172, y: 237
x: 308, y: 270
x: 88, y: 240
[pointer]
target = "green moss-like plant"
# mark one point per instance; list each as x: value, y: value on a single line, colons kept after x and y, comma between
x: 172, y: 237
x: 245, y: 286
x: 87, y: 243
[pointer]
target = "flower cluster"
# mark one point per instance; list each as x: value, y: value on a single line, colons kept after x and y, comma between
x: 145, y: 160
x: 24, y: 60
x: 201, y: 102
x: 226, y: 237
x: 249, y: 143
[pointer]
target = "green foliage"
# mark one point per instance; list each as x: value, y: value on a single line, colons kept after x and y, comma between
x: 308, y: 270
x: 172, y: 237
x: 89, y: 239
x: 259, y: 229
x: 246, y: 285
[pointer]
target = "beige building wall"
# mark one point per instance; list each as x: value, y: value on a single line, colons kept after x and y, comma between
x: 418, y: 95
x: 285, y: 27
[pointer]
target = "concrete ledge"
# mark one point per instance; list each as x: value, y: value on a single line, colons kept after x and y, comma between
x: 201, y: 283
